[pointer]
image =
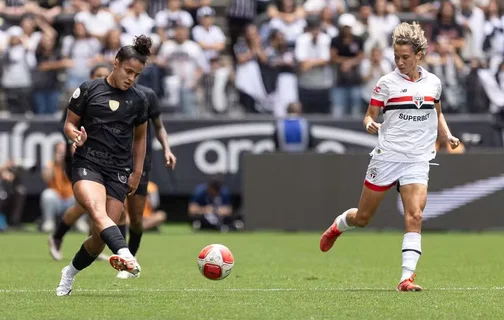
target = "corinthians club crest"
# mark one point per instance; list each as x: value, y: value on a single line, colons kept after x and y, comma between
x: 418, y: 100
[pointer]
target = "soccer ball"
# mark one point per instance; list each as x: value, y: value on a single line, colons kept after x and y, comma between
x: 215, y: 262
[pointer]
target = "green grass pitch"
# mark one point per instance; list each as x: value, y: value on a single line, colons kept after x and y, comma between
x: 276, y: 276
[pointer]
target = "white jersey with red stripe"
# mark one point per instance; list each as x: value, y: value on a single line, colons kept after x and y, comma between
x: 409, y: 130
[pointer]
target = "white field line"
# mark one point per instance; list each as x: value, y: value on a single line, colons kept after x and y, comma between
x: 168, y: 290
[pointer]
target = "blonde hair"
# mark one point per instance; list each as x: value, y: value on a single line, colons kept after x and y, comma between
x: 412, y: 34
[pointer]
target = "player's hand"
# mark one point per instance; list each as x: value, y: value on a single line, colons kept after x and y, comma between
x: 170, y: 159
x: 133, y: 182
x: 79, y: 137
x: 373, y: 127
x: 454, y: 142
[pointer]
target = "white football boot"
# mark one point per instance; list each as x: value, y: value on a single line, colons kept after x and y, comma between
x: 65, y: 286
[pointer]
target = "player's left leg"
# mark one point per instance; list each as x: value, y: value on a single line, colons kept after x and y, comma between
x: 136, y: 206
x: 413, y: 189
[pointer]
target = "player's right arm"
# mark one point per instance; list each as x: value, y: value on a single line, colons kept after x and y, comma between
x: 378, y: 100
x: 75, y: 110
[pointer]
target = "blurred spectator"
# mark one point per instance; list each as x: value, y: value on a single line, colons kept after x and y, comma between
x: 361, y: 27
x: 472, y: 20
x: 209, y: 36
x: 96, y: 20
x: 29, y: 23
x: 288, y: 19
x: 371, y: 70
x: 312, y: 52
x: 380, y: 25
x: 477, y: 100
x: 82, y: 49
x: 293, y: 133
x: 210, y: 208
x: 250, y: 55
x: 347, y: 53
x: 12, y: 195
x: 111, y: 45
x: 327, y: 25
x: 192, y: 6
x: 281, y: 60
x: 137, y: 22
x: 451, y: 70
x: 315, y: 7
x: 240, y: 14
x: 17, y: 64
x: 167, y: 19
x: 184, y: 62
x: 59, y: 195
x: 446, y: 27
x: 46, y: 88
x: 153, y: 217
x: 494, y: 35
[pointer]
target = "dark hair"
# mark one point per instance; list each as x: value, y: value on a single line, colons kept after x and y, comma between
x: 99, y: 66
x: 140, y: 50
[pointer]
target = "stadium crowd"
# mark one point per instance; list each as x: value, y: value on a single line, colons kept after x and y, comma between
x: 327, y: 54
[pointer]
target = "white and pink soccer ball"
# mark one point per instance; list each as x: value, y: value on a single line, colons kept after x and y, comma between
x: 215, y: 262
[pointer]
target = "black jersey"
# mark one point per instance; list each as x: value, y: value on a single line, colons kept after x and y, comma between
x: 109, y: 116
x: 153, y: 112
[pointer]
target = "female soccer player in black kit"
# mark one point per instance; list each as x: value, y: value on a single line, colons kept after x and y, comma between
x: 107, y: 120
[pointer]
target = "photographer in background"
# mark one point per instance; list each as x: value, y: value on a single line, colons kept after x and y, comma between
x: 12, y: 196
x: 210, y: 208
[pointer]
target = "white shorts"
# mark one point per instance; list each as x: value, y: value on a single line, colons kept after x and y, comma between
x: 382, y: 175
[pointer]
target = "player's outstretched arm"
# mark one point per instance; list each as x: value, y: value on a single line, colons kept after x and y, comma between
x: 162, y: 136
x: 443, y: 130
x: 370, y: 119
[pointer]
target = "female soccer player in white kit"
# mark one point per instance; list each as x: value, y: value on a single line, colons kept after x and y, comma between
x: 409, y: 97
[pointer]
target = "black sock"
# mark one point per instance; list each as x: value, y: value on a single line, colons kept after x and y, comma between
x: 113, y: 238
x: 134, y: 241
x: 122, y: 228
x: 82, y: 259
x: 61, y: 230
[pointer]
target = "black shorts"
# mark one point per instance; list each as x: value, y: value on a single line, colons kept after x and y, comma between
x: 142, y: 186
x: 115, y: 182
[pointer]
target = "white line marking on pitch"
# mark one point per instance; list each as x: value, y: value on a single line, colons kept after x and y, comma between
x: 5, y: 291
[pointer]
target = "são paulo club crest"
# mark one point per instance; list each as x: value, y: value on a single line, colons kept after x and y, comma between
x: 418, y: 100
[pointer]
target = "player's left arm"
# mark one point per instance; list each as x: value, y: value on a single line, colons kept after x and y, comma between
x: 139, y: 150
x: 162, y: 137
x: 444, y: 133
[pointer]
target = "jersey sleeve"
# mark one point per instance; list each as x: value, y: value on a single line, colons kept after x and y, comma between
x: 78, y: 99
x: 154, y: 108
x: 439, y: 90
x: 380, y: 94
x: 142, y: 112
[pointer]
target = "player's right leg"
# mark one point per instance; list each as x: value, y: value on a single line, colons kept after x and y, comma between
x: 71, y: 215
x: 380, y: 177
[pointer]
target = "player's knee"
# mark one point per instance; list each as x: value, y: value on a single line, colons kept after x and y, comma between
x: 136, y: 226
x: 413, y: 217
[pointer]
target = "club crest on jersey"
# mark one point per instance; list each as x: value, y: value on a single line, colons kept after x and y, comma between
x: 418, y: 100
x: 113, y: 105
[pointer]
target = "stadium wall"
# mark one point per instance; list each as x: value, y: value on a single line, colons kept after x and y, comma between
x: 307, y: 191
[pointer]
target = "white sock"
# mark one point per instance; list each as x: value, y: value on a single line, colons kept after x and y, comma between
x: 411, y: 251
x: 125, y: 253
x: 341, y: 222
x: 71, y: 271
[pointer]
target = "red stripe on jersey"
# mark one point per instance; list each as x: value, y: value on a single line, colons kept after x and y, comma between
x: 377, y: 103
x: 408, y: 99
x: 377, y: 188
